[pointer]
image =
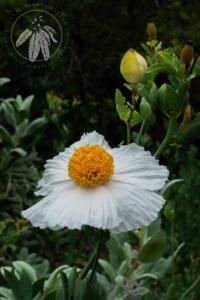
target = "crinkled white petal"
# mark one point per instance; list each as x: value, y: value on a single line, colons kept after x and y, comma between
x: 55, y: 174
x: 137, y: 207
x: 136, y: 166
x: 73, y: 207
x: 91, y: 138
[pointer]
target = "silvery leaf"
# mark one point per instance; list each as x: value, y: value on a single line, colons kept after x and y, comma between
x: 51, y: 32
x: 23, y: 37
x: 52, y: 37
x: 34, y: 47
x: 45, y: 35
x: 44, y: 47
x: 49, y: 29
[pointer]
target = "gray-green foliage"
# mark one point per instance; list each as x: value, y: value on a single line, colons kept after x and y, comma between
x: 18, y: 156
x: 23, y: 283
x: 126, y: 274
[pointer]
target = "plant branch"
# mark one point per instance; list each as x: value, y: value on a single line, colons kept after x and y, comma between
x: 189, y: 290
x: 140, y: 132
x: 167, y: 139
x: 102, y: 240
x: 92, y: 262
x: 128, y: 132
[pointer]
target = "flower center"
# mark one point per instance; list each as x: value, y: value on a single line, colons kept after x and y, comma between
x: 90, y: 166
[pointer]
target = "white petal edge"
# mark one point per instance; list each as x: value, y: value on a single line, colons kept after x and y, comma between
x: 137, y: 207
x: 136, y: 166
x: 91, y: 138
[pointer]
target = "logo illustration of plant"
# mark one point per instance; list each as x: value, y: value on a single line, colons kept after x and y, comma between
x: 40, y: 39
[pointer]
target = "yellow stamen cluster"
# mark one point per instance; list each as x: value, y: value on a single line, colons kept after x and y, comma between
x: 90, y: 166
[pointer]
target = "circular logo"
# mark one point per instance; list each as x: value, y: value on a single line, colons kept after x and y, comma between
x: 36, y: 34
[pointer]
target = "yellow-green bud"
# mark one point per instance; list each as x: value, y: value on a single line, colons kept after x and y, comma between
x: 133, y: 66
x: 151, y: 30
x: 187, y: 54
x: 187, y: 114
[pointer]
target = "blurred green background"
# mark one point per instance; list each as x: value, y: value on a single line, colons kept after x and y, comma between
x: 75, y: 93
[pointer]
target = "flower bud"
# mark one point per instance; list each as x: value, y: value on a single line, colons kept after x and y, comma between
x: 151, y: 30
x: 187, y: 54
x: 187, y: 114
x: 133, y: 66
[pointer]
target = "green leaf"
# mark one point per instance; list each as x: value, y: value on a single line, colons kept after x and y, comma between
x: 7, y: 294
x: 168, y: 98
x: 89, y: 290
x: 72, y: 281
x: 22, y: 266
x: 154, y: 69
x: 19, y: 151
x: 157, y: 269
x: 22, y: 128
x: 18, y: 103
x: 153, y: 95
x: 50, y: 296
x: 27, y: 103
x: 154, y: 248
x: 122, y: 108
x: 54, y: 281
x: 9, y: 113
x: 154, y: 227
x: 94, y: 291
x: 136, y: 118
x: 26, y: 285
x: 165, y: 56
x: 170, y: 184
x: 152, y: 43
x: 21, y: 288
x: 35, y: 125
x: 4, y: 80
x: 169, y: 213
x: 80, y: 290
x: 38, y: 286
x: 145, y: 109
x: 128, y: 86
x: 123, y: 268
x: 108, y: 269
x: 5, y: 136
x: 116, y: 252
x: 162, y: 67
x: 196, y: 68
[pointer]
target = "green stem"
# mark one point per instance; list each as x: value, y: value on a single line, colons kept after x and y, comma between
x: 128, y: 132
x: 172, y: 249
x: 88, y: 265
x: 190, y: 288
x: 92, y: 262
x: 143, y: 236
x: 166, y: 141
x: 140, y: 132
x: 102, y: 240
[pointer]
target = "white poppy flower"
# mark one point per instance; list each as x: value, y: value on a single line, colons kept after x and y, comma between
x: 92, y: 184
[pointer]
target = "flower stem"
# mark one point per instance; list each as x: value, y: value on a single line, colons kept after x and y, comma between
x: 190, y: 289
x: 128, y: 132
x: 167, y: 139
x: 140, y: 133
x: 143, y: 237
x: 92, y: 262
x: 88, y: 265
x: 103, y: 238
